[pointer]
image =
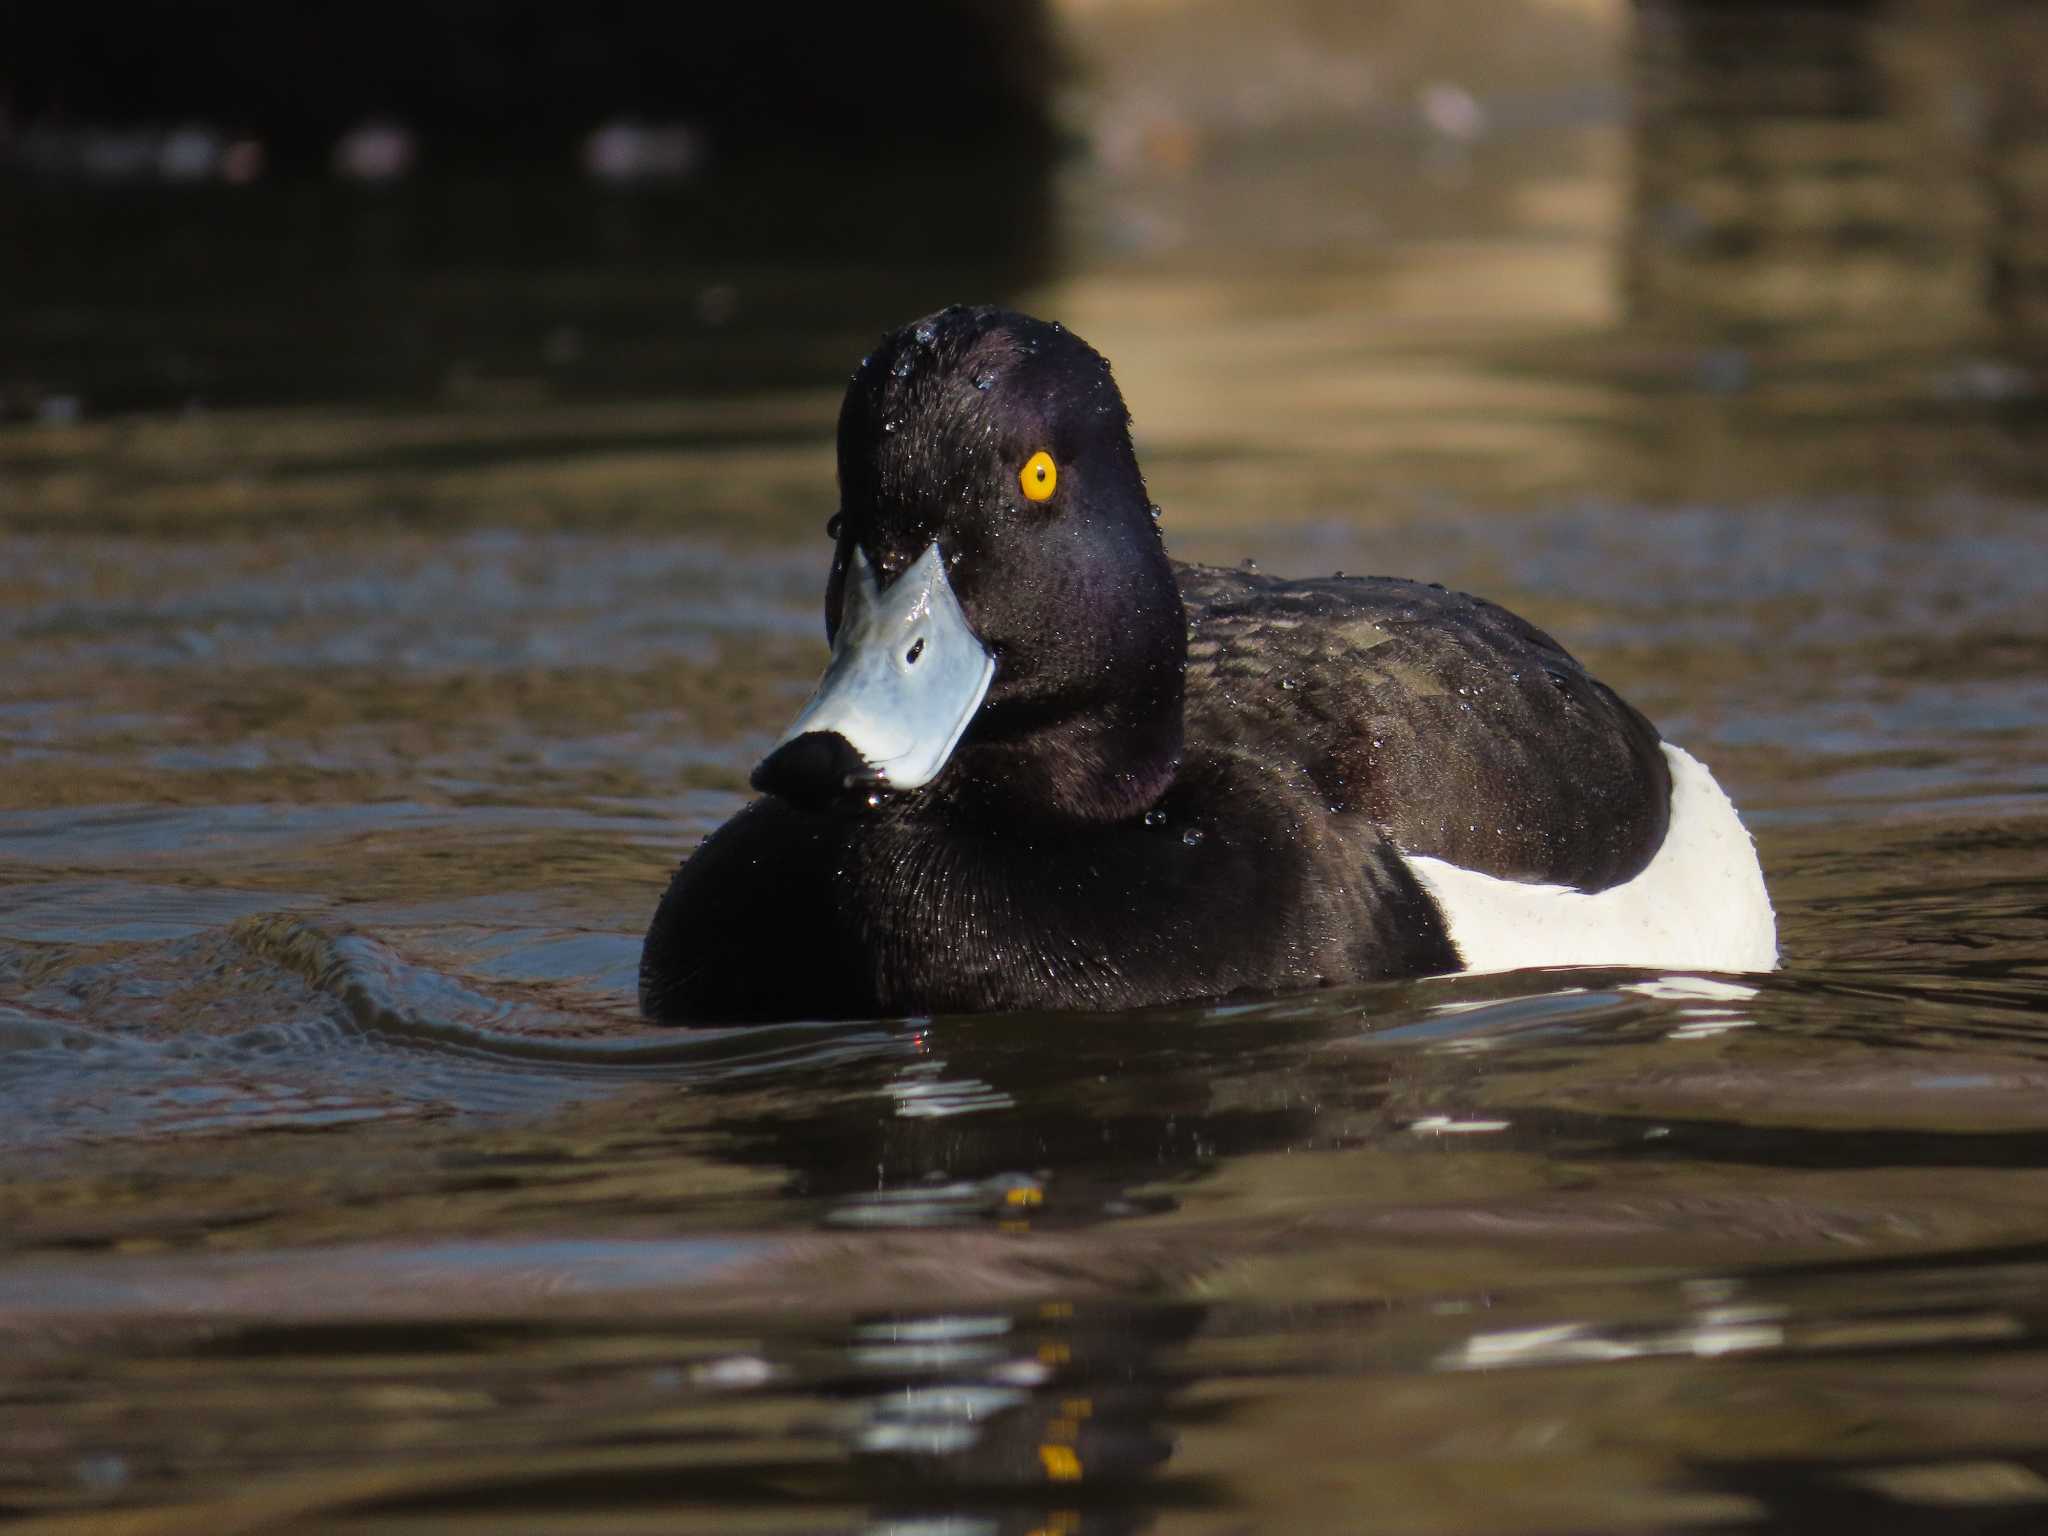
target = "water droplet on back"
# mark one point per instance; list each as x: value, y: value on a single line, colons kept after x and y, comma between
x: 1154, y: 817
x: 1289, y: 684
x: 924, y: 334
x: 1192, y: 836
x: 889, y: 426
x: 1157, y: 511
x: 1248, y: 564
x: 902, y: 368
x: 984, y: 379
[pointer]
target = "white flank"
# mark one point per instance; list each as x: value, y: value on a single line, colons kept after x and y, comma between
x: 1699, y: 905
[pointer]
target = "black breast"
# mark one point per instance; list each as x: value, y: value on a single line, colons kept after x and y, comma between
x: 1460, y: 730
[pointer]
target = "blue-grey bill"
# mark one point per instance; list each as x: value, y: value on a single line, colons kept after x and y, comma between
x: 906, y: 673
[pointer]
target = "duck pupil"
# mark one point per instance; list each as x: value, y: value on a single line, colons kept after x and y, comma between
x: 917, y: 650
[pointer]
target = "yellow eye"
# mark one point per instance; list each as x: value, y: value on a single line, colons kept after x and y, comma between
x: 1039, y: 475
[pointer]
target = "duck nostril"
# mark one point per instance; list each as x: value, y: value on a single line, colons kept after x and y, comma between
x: 910, y: 656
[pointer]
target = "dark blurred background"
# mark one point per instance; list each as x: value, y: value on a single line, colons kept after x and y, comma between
x: 1790, y: 217
x: 241, y: 203
x: 514, y: 87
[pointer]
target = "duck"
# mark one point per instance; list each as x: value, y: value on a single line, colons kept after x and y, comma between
x: 1047, y: 768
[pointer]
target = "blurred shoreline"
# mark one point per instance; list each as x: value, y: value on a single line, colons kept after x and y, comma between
x: 1669, y: 250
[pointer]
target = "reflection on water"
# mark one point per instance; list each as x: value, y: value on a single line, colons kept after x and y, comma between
x: 1795, y: 166
x: 1500, y: 1253
x: 348, y: 741
x: 1834, y: 222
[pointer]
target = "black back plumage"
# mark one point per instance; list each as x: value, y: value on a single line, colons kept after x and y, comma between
x: 1460, y: 730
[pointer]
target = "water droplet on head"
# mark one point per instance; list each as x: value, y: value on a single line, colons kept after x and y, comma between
x: 1248, y: 564
x: 984, y: 379
x: 1289, y: 684
x: 924, y: 335
x: 833, y: 524
x: 1154, y: 817
x: 889, y: 426
x: 1192, y: 836
x: 903, y: 367
x: 1157, y: 511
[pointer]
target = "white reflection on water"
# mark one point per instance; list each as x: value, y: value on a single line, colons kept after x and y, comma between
x: 937, y: 1201
x: 932, y: 1421
x: 921, y: 1093
x: 1702, y: 1016
x: 1444, y: 1125
x: 1580, y: 1343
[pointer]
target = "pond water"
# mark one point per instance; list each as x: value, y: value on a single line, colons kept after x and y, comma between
x: 373, y: 644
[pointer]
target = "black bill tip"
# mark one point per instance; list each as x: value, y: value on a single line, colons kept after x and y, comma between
x: 820, y: 771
